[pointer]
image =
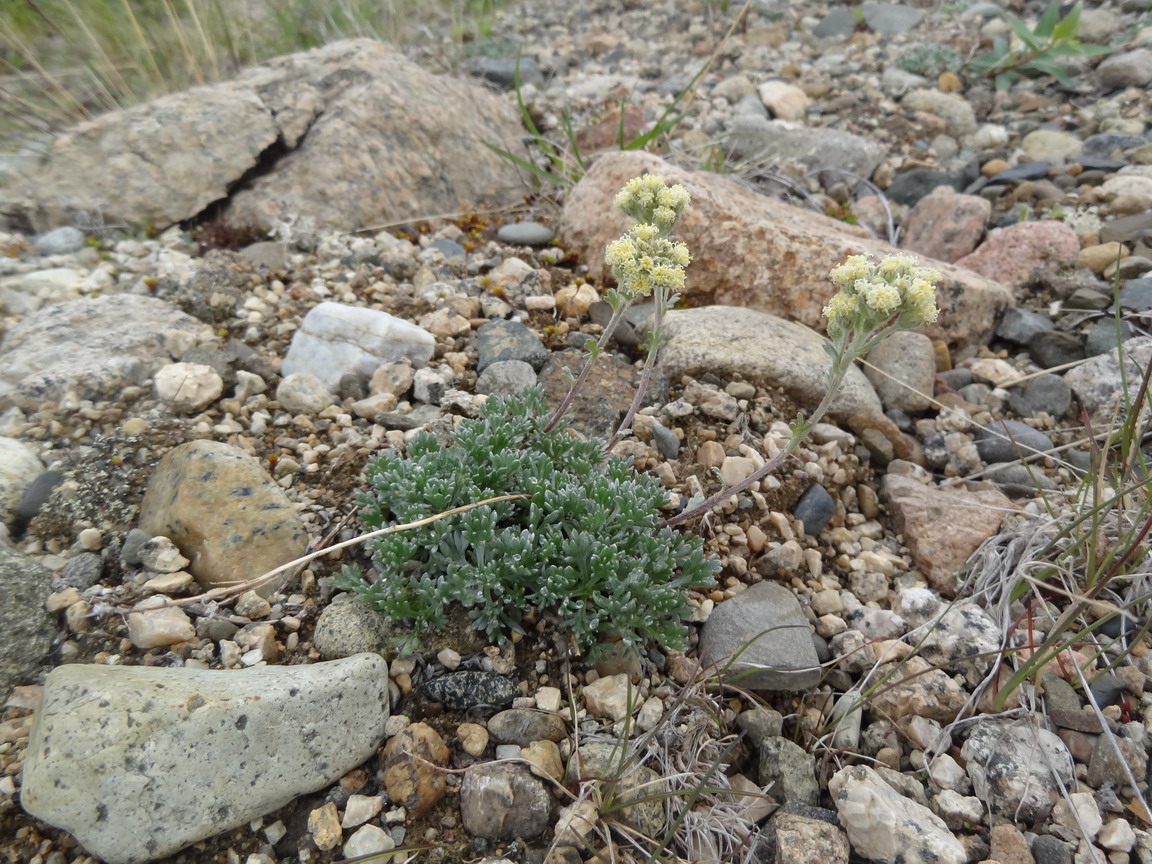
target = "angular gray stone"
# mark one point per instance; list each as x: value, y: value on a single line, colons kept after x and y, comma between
x: 790, y: 770
x: 816, y: 148
x: 1048, y: 393
x: 1097, y: 382
x: 93, y: 347
x: 504, y: 801
x: 335, y: 339
x: 1019, y: 325
x: 901, y: 368
x: 506, y: 378
x: 767, y: 628
x: 26, y: 628
x: 1011, y: 764
x: 137, y: 762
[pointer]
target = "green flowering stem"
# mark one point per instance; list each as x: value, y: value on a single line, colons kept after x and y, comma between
x: 841, y: 363
x: 644, y: 262
x: 874, y: 300
x: 593, y: 355
x: 661, y: 306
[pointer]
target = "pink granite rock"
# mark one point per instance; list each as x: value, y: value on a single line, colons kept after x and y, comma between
x: 1009, y: 256
x: 753, y: 251
x: 946, y: 227
x: 942, y: 527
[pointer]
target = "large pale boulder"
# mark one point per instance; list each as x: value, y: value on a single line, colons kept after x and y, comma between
x: 753, y: 251
x: 138, y: 762
x: 349, y: 135
x: 729, y: 342
x: 92, y: 348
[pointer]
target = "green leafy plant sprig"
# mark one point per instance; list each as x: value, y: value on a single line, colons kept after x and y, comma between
x: 585, y: 549
x: 1035, y: 49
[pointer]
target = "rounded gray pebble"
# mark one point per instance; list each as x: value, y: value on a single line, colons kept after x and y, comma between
x: 133, y: 543
x: 60, y: 241
x: 82, y: 571
x: 35, y: 497
x: 525, y: 234
x: 347, y: 627
x: 815, y: 509
x: 1047, y: 849
x: 667, y: 444
x: 506, y: 378
x: 1049, y: 393
x: 508, y: 340
x: 1009, y: 440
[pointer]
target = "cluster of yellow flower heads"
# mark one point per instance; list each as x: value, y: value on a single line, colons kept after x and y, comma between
x: 872, y: 294
x: 644, y: 260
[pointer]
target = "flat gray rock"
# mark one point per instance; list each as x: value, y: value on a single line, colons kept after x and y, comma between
x: 137, y: 763
x: 1098, y: 383
x: 92, y: 347
x: 766, y: 627
x: 730, y: 341
x: 351, y: 134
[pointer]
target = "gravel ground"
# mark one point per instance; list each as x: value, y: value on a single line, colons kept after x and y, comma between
x: 863, y: 570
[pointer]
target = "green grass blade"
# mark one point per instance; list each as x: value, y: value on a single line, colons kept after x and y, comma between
x: 1068, y: 28
x: 1046, y: 26
x: 1023, y: 32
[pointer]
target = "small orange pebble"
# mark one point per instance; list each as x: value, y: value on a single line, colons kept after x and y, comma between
x: 949, y: 82
x: 993, y: 167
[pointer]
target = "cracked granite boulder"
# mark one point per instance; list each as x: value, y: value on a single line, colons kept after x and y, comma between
x: 348, y: 135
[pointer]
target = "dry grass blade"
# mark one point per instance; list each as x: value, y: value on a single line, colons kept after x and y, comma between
x: 230, y: 591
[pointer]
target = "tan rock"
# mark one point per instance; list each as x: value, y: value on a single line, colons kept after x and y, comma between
x: 218, y: 504
x: 324, y: 826
x: 1097, y: 258
x: 1012, y: 254
x: 609, y: 697
x: 545, y: 758
x: 473, y: 738
x: 784, y: 100
x: 411, y: 775
x: 155, y: 628
x: 943, y: 527
x: 752, y: 251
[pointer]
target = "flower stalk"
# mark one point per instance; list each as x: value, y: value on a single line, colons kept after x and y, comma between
x: 644, y: 262
x: 873, y: 301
